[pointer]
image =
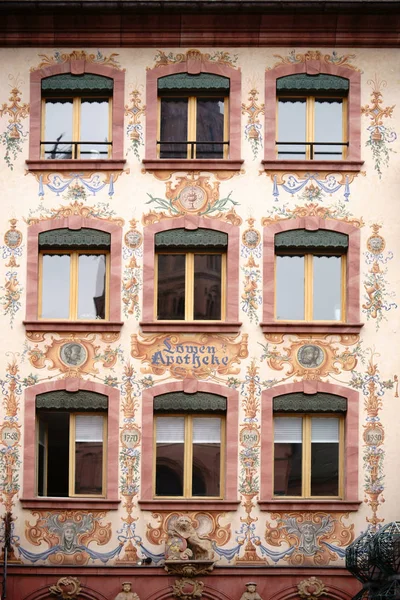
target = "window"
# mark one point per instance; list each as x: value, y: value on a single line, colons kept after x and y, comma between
x: 193, y: 120
x: 308, y: 455
x: 190, y: 275
x: 312, y: 117
x: 189, y: 445
x: 71, y: 444
x: 74, y: 274
x: 76, y: 117
x: 310, y: 275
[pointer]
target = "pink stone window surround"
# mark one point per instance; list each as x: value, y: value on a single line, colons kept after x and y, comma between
x: 350, y: 502
x: 29, y: 499
x: 353, y: 161
x: 231, y: 323
x: 76, y: 67
x: 352, y: 323
x: 114, y: 323
x: 190, y: 386
x: 234, y: 162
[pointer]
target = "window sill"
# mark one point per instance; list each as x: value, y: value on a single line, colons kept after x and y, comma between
x: 190, y: 326
x: 74, y: 164
x: 310, y: 327
x: 276, y: 505
x: 353, y: 166
x: 59, y: 325
x: 189, y: 504
x: 70, y: 503
x: 178, y: 164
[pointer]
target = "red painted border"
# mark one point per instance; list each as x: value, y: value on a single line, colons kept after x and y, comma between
x: 194, y: 66
x: 76, y: 67
x: 70, y: 384
x: 190, y: 386
x: 352, y: 324
x: 191, y: 222
x: 267, y: 500
x: 32, y: 283
x: 313, y: 67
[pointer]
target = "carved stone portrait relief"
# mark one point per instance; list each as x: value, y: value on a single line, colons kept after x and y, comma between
x: 73, y: 354
x: 310, y: 356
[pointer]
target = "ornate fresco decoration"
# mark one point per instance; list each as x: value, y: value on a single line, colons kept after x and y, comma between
x: 294, y: 58
x: 68, y: 535
x: 337, y: 212
x: 10, y: 434
x: 253, y: 128
x: 379, y: 135
x: 370, y: 384
x: 315, y: 539
x: 132, y: 276
x: 199, y: 356
x: 134, y: 129
x: 97, y: 58
x: 251, y: 298
x: 377, y: 296
x: 11, y: 290
x: 311, y: 186
x: 77, y: 185
x: 311, y: 589
x: 129, y: 460
x: 310, y: 358
x: 67, y: 588
x: 14, y: 135
x: 218, y: 56
x: 192, y: 194
x: 74, y: 354
x: 76, y: 196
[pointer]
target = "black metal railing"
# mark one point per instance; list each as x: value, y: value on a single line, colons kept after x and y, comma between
x: 313, y: 153
x: 69, y: 150
x: 197, y: 144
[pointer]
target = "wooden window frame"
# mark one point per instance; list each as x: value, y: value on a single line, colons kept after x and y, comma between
x: 189, y: 284
x: 76, y: 122
x: 308, y: 285
x: 310, y: 121
x: 306, y: 455
x: 74, y: 285
x: 188, y: 456
x: 72, y: 456
x: 192, y: 120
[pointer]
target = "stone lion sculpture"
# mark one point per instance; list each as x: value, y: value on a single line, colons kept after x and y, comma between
x: 196, y: 547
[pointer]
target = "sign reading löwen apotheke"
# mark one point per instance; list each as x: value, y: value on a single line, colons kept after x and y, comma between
x: 197, y: 355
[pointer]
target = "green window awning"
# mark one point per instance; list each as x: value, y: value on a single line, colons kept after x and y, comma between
x: 195, y: 83
x: 78, y: 83
x: 63, y: 400
x: 312, y: 83
x: 310, y: 403
x: 181, y: 402
x: 80, y: 238
x: 184, y: 238
x: 321, y: 239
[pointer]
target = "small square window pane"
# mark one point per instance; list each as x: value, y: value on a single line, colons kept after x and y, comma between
x: 290, y: 288
x: 92, y: 286
x: 292, y: 128
x: 58, y: 129
x: 55, y: 286
x: 327, y: 288
x: 207, y: 286
x: 171, y: 287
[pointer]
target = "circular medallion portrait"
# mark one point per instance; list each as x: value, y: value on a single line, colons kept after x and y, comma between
x: 133, y: 239
x: 73, y: 354
x: 192, y: 197
x: 13, y: 238
x: 376, y: 244
x: 310, y: 356
x: 251, y: 238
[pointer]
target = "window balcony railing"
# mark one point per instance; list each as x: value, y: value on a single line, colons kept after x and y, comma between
x: 216, y: 150
x: 313, y: 153
x: 72, y: 150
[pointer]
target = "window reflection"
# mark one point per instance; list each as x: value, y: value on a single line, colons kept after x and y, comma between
x: 92, y: 286
x: 292, y: 128
x: 94, y: 128
x: 290, y: 287
x: 327, y: 288
x: 58, y: 128
x: 328, y: 128
x: 55, y: 286
x: 171, y: 286
x: 174, y: 127
x: 207, y: 286
x: 210, y: 127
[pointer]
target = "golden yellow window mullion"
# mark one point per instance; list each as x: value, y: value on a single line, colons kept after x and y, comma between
x: 71, y: 481
x: 76, y: 127
x: 110, y: 122
x: 104, y: 456
x: 189, y: 287
x: 226, y: 127
x: 306, y: 466
x: 73, y: 282
x: 223, y: 288
x: 43, y: 129
x: 310, y: 129
x: 343, y: 287
x: 192, y: 121
x: 345, y: 134
x: 341, y: 457
x: 308, y: 287
x: 188, y: 457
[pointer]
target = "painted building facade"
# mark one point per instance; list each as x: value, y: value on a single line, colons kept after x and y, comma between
x: 195, y: 309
